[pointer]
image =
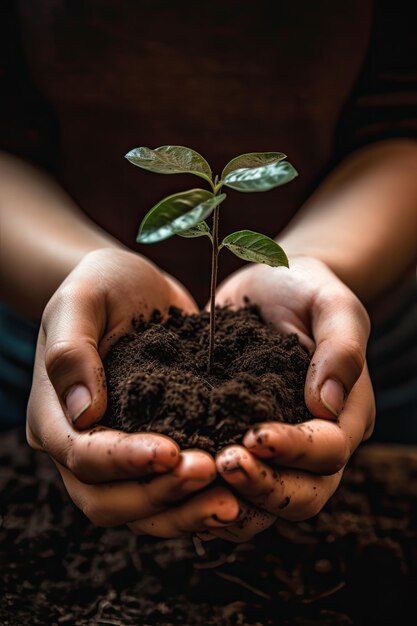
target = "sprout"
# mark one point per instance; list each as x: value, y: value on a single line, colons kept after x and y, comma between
x: 185, y: 213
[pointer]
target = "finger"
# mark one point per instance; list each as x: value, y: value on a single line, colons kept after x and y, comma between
x: 72, y: 324
x: 291, y: 494
x: 214, y: 508
x: 319, y: 446
x: 103, y: 454
x: 340, y: 327
x: 251, y: 522
x: 112, y: 504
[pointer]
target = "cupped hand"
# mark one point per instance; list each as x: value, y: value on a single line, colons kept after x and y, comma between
x: 286, y: 470
x: 142, y: 479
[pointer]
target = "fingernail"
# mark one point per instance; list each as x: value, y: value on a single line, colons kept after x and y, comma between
x: 77, y: 401
x: 235, y: 470
x: 226, y: 469
x: 332, y: 396
x: 214, y: 521
x: 195, y: 484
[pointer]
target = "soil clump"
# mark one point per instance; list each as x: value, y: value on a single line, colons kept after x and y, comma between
x: 158, y: 377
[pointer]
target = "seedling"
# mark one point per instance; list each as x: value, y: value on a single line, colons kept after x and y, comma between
x: 185, y: 213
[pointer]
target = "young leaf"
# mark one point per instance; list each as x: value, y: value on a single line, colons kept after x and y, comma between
x: 260, y: 178
x: 252, y: 159
x: 255, y: 247
x: 177, y: 213
x: 199, y: 230
x: 170, y: 160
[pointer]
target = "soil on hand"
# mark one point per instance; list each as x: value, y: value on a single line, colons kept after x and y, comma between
x: 158, y: 378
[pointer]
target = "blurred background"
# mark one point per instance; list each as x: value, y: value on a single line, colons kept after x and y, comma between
x: 82, y: 83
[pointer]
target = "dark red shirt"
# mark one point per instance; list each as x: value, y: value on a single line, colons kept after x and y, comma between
x: 86, y: 82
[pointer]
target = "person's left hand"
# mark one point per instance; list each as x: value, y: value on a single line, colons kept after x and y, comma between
x: 290, y: 471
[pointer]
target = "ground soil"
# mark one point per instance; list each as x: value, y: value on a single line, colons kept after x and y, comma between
x: 354, y: 563
x: 158, y: 380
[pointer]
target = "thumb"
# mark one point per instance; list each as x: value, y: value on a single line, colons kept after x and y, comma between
x: 340, y: 330
x: 72, y: 325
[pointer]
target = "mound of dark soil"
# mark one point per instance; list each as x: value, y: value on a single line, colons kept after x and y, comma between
x: 158, y: 379
x: 354, y: 563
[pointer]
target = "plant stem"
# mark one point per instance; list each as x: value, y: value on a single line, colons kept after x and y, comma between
x: 214, y: 265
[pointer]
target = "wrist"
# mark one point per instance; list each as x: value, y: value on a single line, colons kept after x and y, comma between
x: 345, y: 266
x: 361, y: 221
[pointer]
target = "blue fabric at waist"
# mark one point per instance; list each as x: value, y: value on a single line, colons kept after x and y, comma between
x: 17, y: 354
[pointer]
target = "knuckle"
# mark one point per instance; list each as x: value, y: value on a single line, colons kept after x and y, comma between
x: 352, y: 351
x: 363, y: 317
x: 32, y: 439
x: 155, y: 501
x: 316, y: 497
x: 58, y: 356
x: 73, y: 462
x: 371, y: 422
x: 306, y: 505
x: 59, y: 301
x: 340, y: 455
x: 96, y: 513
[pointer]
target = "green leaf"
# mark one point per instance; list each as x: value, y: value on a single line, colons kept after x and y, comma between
x: 261, y: 178
x: 255, y: 247
x: 199, y: 230
x: 177, y: 213
x: 253, y: 159
x: 170, y: 160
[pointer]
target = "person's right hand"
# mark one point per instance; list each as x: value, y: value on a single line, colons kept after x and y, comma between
x: 115, y: 478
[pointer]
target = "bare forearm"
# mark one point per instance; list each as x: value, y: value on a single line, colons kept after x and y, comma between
x: 43, y: 235
x: 362, y: 221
